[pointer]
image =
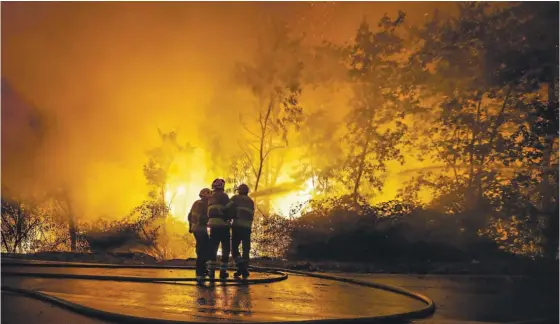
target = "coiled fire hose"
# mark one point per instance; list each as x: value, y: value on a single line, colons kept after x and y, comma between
x: 278, y: 275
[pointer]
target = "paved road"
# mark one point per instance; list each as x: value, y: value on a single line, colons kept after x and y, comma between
x: 298, y: 298
x: 459, y: 299
x: 484, y: 299
x: 19, y: 310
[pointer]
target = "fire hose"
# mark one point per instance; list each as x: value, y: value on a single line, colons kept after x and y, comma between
x: 278, y: 275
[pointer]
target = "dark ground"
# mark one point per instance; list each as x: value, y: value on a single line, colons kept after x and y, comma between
x: 519, y: 267
x: 467, y: 298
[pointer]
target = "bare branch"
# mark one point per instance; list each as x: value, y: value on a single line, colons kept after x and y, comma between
x: 271, y: 149
x: 245, y: 127
x: 248, y: 158
x: 253, y: 146
x: 6, y: 221
x: 5, y: 244
x: 251, y: 162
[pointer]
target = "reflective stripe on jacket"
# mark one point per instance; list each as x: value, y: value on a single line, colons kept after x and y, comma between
x: 245, y: 211
x: 218, y: 206
x: 198, y: 218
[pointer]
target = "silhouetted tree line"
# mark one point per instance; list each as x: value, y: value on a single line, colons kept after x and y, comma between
x: 476, y: 93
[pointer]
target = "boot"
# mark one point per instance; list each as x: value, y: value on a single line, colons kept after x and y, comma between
x: 211, y: 274
x: 239, y: 266
x: 223, y: 274
x: 242, y: 268
x: 200, y: 280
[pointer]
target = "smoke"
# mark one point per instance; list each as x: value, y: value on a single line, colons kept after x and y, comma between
x: 283, y: 188
x: 105, y: 76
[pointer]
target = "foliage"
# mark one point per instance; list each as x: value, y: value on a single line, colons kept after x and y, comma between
x: 374, y: 128
x: 31, y: 227
x: 271, y: 236
x: 476, y: 92
x: 143, y: 230
x: 161, y: 161
x: 274, y: 79
x: 322, y: 151
x: 239, y: 172
x: 344, y: 229
x: 488, y: 123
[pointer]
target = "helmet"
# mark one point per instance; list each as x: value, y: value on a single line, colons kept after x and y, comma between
x: 243, y: 189
x: 205, y: 193
x: 218, y: 184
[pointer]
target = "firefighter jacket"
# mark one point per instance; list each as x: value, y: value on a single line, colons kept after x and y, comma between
x: 245, y: 211
x: 198, y: 218
x: 219, y: 209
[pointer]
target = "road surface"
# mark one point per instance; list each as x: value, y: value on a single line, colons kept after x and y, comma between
x: 459, y: 299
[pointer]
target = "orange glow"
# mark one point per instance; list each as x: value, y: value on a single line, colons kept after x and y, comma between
x: 284, y: 203
x: 105, y: 84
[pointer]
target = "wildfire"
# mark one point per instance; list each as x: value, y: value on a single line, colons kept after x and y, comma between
x: 284, y: 204
x: 180, y: 198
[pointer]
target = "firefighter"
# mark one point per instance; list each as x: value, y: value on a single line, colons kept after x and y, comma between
x: 198, y: 221
x: 219, y: 223
x: 241, y: 230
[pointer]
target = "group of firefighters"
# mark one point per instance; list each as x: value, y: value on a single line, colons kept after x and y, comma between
x: 226, y: 219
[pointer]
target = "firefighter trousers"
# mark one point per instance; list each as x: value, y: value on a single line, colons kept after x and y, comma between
x: 220, y: 235
x: 202, y: 251
x: 240, y: 236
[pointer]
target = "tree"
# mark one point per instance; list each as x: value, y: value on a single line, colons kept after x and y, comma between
x: 163, y: 233
x: 489, y: 127
x: 239, y: 172
x: 274, y: 80
x: 20, y: 224
x: 321, y: 154
x: 62, y: 207
x: 374, y: 128
x: 531, y: 61
x: 161, y: 163
x: 140, y: 230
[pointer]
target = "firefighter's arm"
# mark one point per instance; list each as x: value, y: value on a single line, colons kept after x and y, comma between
x: 190, y: 216
x: 232, y: 209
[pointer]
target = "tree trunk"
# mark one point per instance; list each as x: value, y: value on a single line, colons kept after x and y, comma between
x: 548, y: 205
x: 362, y: 164
x: 72, y: 231
x: 267, y: 176
x: 71, y: 221
x: 263, y: 138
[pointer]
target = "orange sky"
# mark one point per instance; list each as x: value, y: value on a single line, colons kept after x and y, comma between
x: 111, y: 73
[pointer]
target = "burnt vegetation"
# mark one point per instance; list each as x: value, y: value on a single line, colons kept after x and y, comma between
x: 475, y: 94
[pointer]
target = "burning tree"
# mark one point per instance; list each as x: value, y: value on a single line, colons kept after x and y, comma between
x: 32, y: 226
x: 61, y: 206
x: 373, y: 124
x: 322, y: 152
x: 274, y: 80
x: 161, y: 164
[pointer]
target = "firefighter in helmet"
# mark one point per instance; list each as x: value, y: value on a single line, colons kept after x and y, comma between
x: 241, y: 229
x: 198, y: 221
x: 219, y: 217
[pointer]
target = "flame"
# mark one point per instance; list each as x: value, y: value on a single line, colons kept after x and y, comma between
x: 284, y: 204
x: 181, y: 197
